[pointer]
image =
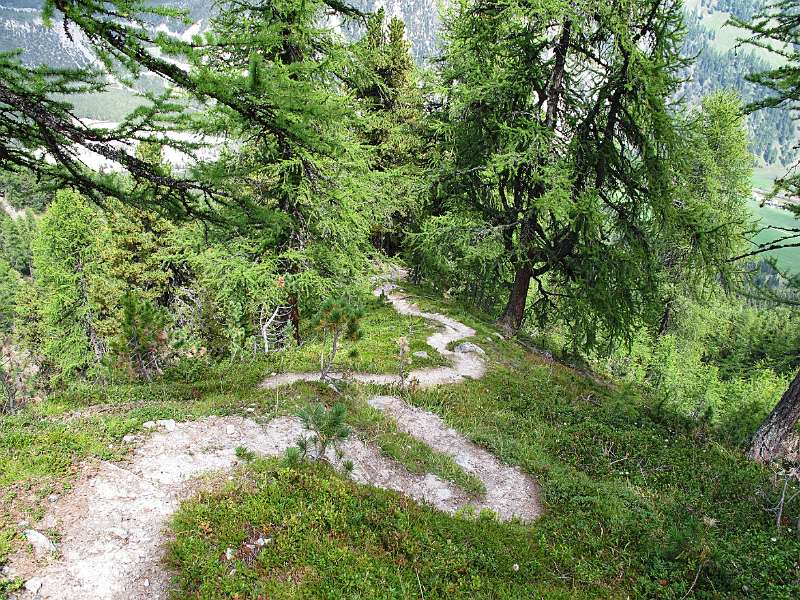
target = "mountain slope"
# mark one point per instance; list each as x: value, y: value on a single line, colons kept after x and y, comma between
x: 720, y: 63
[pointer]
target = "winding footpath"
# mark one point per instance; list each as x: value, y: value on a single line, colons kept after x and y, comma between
x: 113, y: 524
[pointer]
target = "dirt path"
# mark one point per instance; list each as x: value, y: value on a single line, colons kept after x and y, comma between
x: 465, y: 364
x: 112, y: 525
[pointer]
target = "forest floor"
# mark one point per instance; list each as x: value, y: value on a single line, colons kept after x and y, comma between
x: 179, y: 485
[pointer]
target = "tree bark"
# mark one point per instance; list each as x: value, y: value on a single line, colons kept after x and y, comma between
x: 294, y: 317
x: 511, y: 320
x: 767, y: 443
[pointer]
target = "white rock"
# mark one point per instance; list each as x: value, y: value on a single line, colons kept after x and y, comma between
x: 41, y: 544
x: 8, y: 572
x: 33, y: 585
x: 149, y: 425
x: 469, y: 347
x: 23, y: 523
x: 53, y: 498
x: 146, y: 583
x: 421, y: 354
x: 129, y: 438
x: 230, y: 430
x: 168, y: 424
x: 229, y: 553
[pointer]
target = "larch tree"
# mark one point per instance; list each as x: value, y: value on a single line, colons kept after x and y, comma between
x: 714, y: 185
x: 36, y: 115
x: 557, y: 128
x: 389, y: 95
x: 307, y: 184
x: 67, y: 269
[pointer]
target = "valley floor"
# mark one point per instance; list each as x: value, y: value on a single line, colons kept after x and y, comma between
x: 635, y: 501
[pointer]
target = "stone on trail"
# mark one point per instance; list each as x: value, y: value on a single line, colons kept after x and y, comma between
x: 149, y: 425
x: 41, y: 544
x: 469, y: 347
x: 49, y: 522
x: 168, y: 424
x: 421, y: 354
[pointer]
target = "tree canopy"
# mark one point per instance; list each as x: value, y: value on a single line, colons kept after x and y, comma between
x: 558, y: 129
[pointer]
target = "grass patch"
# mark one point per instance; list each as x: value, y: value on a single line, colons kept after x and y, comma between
x: 726, y: 38
x: 330, y: 538
x: 636, y: 505
x: 638, y: 501
x: 376, y: 351
x: 788, y: 258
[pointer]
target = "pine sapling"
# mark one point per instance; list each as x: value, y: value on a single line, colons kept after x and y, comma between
x: 337, y: 320
x: 327, y: 429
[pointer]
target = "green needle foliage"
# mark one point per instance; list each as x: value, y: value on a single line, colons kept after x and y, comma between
x: 142, y: 340
x: 337, y: 320
x: 557, y: 131
x: 328, y: 428
x: 277, y: 61
x: 776, y: 29
x: 67, y: 310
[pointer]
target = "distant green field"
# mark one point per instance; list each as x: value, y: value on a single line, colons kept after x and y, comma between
x: 788, y: 258
x: 764, y: 177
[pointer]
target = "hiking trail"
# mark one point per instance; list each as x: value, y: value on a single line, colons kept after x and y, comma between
x: 113, y: 524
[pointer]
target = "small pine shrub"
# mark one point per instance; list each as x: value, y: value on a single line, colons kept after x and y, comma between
x: 141, y: 344
x: 337, y: 320
x: 327, y: 429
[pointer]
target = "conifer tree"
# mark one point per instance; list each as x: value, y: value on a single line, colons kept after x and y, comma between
x: 337, y: 320
x: 777, y: 29
x: 32, y: 120
x: 387, y: 85
x: 67, y: 271
x: 557, y: 129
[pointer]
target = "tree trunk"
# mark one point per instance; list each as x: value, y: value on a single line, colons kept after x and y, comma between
x: 767, y: 443
x: 511, y: 320
x: 666, y: 318
x: 294, y: 316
